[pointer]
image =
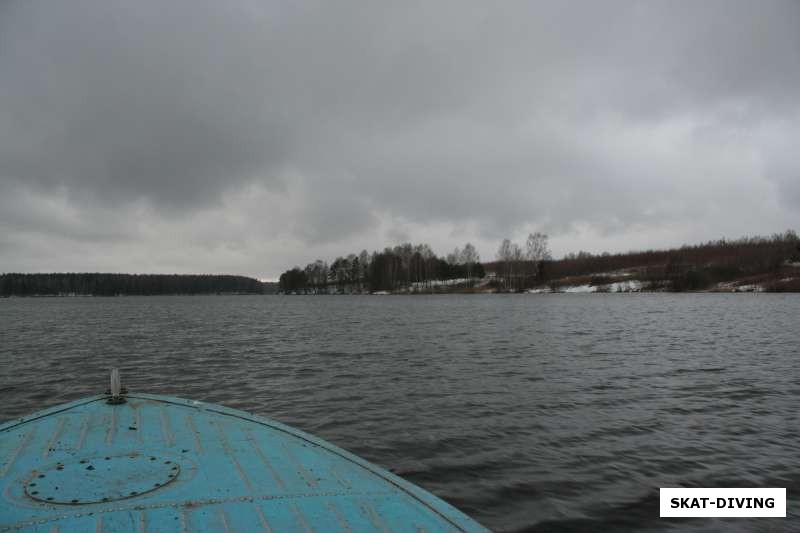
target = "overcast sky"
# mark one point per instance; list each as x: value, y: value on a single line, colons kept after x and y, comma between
x: 249, y: 136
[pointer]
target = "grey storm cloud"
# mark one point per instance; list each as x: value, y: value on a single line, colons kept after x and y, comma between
x: 246, y: 135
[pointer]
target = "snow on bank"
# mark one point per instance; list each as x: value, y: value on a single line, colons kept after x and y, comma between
x: 579, y: 289
x: 441, y: 283
x: 749, y: 288
x: 540, y: 290
x: 732, y: 287
x: 631, y: 285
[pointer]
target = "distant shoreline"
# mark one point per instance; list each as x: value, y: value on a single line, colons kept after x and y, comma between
x: 747, y: 264
x: 87, y: 284
x: 547, y: 293
x: 600, y: 283
x: 135, y: 295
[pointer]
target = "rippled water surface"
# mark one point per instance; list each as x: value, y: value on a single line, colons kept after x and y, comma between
x: 540, y: 413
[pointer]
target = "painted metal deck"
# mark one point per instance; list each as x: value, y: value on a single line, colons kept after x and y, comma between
x: 163, y: 464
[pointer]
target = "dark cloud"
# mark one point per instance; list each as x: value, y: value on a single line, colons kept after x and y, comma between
x: 246, y: 136
x: 120, y: 100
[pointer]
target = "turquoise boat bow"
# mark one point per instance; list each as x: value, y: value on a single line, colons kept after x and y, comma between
x: 148, y: 463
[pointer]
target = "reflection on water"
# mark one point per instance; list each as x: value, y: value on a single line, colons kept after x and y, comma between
x: 540, y: 413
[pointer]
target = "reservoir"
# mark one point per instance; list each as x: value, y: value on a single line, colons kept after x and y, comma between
x: 528, y: 412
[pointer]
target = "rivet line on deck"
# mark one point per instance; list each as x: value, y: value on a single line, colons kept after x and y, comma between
x: 229, y: 452
x: 112, y: 428
x: 263, y: 519
x: 339, y: 518
x: 195, y: 433
x: 84, y: 431
x: 260, y: 454
x: 224, y: 519
x: 301, y: 518
x: 165, y: 428
x: 52, y: 442
x: 11, y: 460
x: 309, y: 478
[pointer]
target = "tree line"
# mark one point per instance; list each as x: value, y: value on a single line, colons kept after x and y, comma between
x: 691, y: 267
x: 518, y: 268
x: 416, y: 268
x: 97, y: 284
x: 409, y: 267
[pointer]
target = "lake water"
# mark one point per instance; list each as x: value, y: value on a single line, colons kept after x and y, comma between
x: 528, y: 412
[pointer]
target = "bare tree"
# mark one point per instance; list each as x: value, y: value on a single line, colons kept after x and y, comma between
x: 427, y: 265
x: 536, y: 251
x: 405, y: 251
x: 516, y: 265
x: 469, y: 256
x: 536, y: 247
x: 317, y: 275
x: 363, y: 261
x: 454, y: 258
x: 504, y: 255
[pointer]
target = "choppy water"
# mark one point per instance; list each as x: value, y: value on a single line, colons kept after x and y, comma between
x: 539, y: 413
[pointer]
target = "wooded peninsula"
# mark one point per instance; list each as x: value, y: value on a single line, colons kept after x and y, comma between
x: 748, y: 264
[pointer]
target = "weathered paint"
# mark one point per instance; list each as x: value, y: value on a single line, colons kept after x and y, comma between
x: 163, y: 464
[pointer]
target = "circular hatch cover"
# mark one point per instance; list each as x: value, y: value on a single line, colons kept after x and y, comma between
x: 101, y: 479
